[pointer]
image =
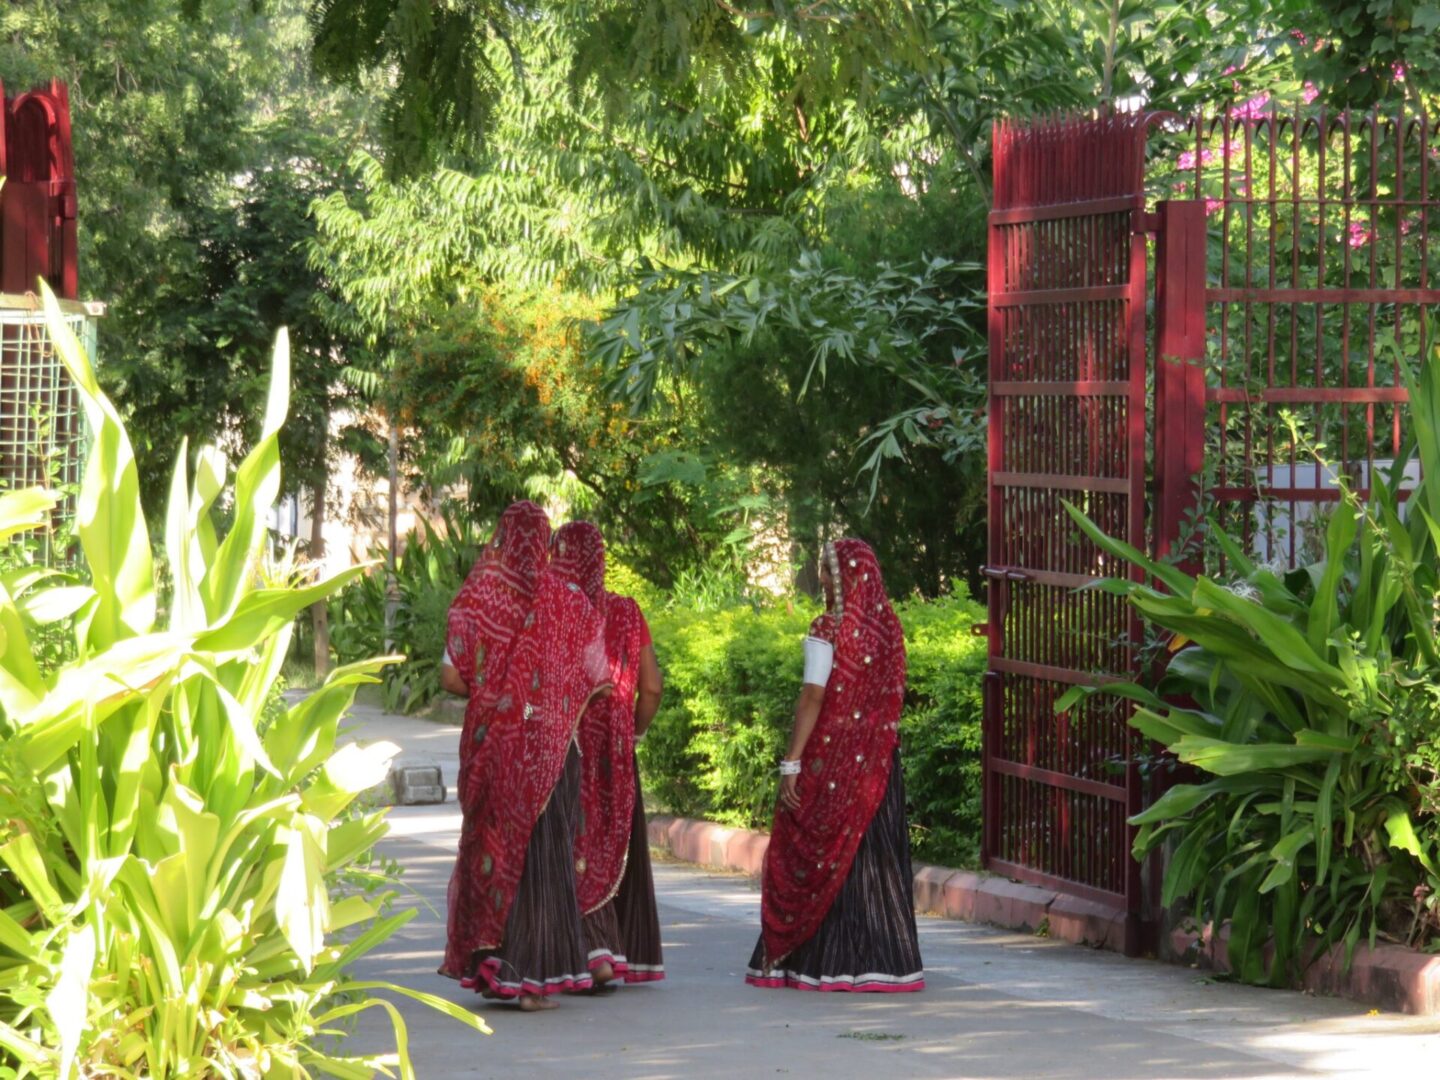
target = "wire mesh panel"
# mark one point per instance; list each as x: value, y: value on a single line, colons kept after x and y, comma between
x: 1320, y: 284
x: 41, y: 426
x: 1067, y: 285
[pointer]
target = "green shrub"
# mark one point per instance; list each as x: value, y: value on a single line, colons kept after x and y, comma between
x: 731, y: 678
x: 1310, y: 703
x: 178, y: 849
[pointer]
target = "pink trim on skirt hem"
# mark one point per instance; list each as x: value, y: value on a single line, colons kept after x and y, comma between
x: 488, y: 973
x: 786, y: 982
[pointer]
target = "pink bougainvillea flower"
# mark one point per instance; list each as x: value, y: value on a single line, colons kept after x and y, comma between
x: 1253, y: 109
x: 1399, y: 72
x: 1231, y: 69
x: 1360, y: 235
x: 1309, y: 93
x: 1408, y: 224
x: 1212, y: 205
x: 1300, y: 36
x: 1187, y: 159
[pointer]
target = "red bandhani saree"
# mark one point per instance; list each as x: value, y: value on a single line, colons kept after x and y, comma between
x: 488, y: 611
x: 847, y: 759
x: 554, y: 667
x: 607, y: 730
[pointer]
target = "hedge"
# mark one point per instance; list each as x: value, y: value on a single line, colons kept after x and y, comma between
x: 731, y: 678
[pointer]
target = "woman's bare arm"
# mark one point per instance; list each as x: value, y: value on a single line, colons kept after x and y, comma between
x: 451, y: 682
x: 807, y: 712
x: 651, y: 688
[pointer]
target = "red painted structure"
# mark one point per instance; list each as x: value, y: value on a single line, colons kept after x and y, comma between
x: 1288, y: 261
x: 1067, y: 287
x: 37, y: 203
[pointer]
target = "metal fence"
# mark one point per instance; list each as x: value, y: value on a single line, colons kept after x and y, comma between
x: 41, y: 425
x: 1067, y: 284
x: 1191, y: 320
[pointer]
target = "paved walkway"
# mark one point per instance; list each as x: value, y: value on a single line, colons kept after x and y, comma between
x: 998, y: 1004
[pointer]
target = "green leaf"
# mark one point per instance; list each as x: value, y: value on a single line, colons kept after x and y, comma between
x: 24, y: 510
x: 1230, y: 759
x: 108, y: 516
x: 1285, y: 853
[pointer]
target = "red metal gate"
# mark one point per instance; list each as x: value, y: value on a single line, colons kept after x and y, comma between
x: 1067, y: 284
x: 1292, y: 278
x: 37, y: 203
x: 1313, y: 286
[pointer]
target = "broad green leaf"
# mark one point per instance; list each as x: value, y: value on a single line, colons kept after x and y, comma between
x: 302, y: 904
x: 263, y: 612
x: 257, y: 484
x: 1325, y: 608
x: 108, y: 516
x: 349, y: 771
x: 1401, y: 829
x: 68, y: 1001
x: 24, y: 510
x: 1229, y: 759
x: 1284, y: 854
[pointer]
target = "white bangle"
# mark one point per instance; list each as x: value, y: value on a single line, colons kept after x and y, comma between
x: 789, y: 768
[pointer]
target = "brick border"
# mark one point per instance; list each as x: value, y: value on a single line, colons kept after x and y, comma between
x: 1389, y: 977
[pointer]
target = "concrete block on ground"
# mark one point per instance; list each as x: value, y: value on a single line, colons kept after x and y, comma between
x: 929, y: 887
x: 1012, y: 905
x: 415, y: 784
x: 960, y: 893
x: 1086, y: 922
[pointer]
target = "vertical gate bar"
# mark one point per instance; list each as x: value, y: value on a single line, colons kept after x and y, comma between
x: 1136, y: 332
x: 997, y: 254
x: 1180, y: 261
x: 1271, y: 152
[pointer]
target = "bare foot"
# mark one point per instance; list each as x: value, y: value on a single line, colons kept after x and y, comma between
x: 535, y: 1003
x: 603, y: 974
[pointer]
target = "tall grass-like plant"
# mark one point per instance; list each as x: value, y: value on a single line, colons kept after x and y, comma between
x: 1304, y: 695
x: 172, y: 838
x: 428, y: 574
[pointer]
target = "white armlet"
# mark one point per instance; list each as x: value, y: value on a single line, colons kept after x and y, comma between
x: 447, y: 662
x: 819, y: 658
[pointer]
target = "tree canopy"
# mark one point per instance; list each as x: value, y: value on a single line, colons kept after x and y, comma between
x: 702, y: 265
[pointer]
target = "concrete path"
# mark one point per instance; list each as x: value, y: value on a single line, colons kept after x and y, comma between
x: 998, y: 1004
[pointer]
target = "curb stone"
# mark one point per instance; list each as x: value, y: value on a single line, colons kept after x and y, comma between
x: 1389, y: 977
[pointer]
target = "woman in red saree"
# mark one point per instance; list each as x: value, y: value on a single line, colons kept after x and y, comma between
x: 836, y: 908
x: 612, y: 851
x: 527, y: 645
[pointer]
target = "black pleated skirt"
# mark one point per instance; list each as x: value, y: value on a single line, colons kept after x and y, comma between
x: 543, y: 951
x: 626, y: 931
x: 867, y: 941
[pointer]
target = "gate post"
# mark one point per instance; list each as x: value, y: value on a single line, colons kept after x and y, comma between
x: 1180, y: 270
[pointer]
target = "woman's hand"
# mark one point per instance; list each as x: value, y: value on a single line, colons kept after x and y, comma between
x: 790, y: 792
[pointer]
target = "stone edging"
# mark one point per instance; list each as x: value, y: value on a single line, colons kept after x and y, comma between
x: 956, y: 894
x: 1388, y: 976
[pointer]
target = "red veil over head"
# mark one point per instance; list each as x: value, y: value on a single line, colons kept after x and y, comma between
x: 488, y: 611
x: 847, y: 759
x: 524, y: 707
x: 607, y: 730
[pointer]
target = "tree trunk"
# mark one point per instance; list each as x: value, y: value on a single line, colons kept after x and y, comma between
x: 320, y: 610
x: 392, y: 584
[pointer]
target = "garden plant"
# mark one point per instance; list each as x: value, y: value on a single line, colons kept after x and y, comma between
x: 1306, y: 702
x: 185, y: 877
